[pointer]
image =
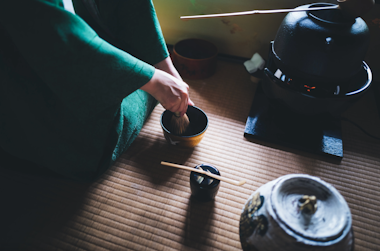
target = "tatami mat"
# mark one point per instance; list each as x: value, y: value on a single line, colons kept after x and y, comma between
x: 139, y: 204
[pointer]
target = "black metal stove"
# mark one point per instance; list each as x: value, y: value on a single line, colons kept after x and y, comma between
x: 271, y: 122
x: 314, y: 72
x: 286, y: 113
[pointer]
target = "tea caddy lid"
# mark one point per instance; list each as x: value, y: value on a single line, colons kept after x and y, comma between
x: 310, y: 210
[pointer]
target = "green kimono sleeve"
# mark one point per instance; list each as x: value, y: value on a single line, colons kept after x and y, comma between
x: 133, y: 26
x: 69, y: 56
x: 80, y: 106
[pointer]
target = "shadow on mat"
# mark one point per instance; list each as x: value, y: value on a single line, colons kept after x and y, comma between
x: 36, y: 204
x: 198, y: 225
x: 147, y: 155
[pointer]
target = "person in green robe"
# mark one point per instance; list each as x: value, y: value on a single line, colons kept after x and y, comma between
x: 76, y: 89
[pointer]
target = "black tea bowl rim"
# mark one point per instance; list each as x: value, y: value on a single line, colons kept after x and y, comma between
x: 211, y: 44
x: 184, y: 136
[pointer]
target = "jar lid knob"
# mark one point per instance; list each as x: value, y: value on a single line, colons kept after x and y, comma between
x: 307, y: 204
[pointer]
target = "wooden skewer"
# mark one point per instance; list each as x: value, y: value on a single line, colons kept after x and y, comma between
x: 259, y: 12
x: 214, y: 176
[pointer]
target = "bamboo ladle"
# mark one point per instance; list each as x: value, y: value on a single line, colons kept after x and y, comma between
x: 214, y: 176
x: 353, y: 8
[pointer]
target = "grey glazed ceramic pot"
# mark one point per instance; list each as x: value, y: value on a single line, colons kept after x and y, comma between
x: 296, y: 212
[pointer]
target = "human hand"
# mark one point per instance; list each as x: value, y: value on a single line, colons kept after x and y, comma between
x: 171, y: 92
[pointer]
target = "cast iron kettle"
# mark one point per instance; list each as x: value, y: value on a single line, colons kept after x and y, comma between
x: 326, y: 45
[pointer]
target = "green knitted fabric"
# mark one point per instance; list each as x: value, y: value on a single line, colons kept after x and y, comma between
x: 69, y: 100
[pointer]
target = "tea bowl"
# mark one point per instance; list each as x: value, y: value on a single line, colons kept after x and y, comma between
x: 194, y: 133
x: 195, y: 58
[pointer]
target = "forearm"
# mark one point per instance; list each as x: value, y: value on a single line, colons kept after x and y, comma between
x: 166, y: 65
x: 171, y: 92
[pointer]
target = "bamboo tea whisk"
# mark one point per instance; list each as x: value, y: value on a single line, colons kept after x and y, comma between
x: 179, y: 124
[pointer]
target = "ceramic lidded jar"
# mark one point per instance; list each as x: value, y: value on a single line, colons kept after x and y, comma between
x: 296, y: 212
